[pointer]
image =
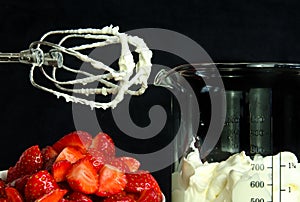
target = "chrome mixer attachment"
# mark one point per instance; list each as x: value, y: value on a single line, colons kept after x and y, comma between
x: 44, y: 54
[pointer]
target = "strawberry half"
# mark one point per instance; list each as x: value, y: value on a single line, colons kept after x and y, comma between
x: 111, y: 181
x: 104, y: 143
x: 140, y: 181
x: 60, y: 170
x: 121, y: 165
x: 29, y: 162
x: 39, y: 184
x: 54, y: 195
x: 79, y: 139
x: 132, y: 163
x: 70, y: 154
x: 97, y: 158
x: 83, y: 177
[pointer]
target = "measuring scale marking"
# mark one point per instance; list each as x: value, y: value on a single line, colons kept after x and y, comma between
x: 271, y: 179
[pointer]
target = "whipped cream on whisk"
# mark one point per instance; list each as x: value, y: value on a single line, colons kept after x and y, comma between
x: 239, y: 178
x: 115, y: 82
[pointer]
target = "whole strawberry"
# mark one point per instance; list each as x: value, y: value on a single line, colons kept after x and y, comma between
x: 29, y: 163
x: 39, y: 184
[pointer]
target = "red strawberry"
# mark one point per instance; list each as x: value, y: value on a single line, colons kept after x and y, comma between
x: 111, y: 181
x: 82, y: 177
x: 120, y: 197
x: 132, y: 163
x: 60, y: 170
x: 38, y: 185
x: 2, y: 189
x: 29, y: 162
x: 140, y: 181
x: 12, y: 174
x: 48, y: 153
x: 20, y: 183
x: 80, y: 139
x: 104, y: 143
x: 54, y: 195
x: 149, y: 195
x: 70, y: 154
x: 79, y: 197
x: 65, y: 200
x: 121, y: 165
x: 97, y: 158
x: 13, y: 195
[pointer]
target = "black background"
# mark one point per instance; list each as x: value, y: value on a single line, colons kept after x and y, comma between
x: 228, y: 30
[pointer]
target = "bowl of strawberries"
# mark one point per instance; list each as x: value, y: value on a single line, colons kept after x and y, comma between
x: 78, y: 167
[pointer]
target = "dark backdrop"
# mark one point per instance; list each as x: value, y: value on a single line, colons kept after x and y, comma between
x: 228, y: 30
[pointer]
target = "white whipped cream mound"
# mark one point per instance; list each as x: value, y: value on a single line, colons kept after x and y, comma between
x: 239, y: 178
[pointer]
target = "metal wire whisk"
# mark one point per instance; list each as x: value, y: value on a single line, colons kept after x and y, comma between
x: 44, y: 54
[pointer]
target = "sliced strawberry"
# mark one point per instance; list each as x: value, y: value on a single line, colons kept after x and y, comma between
x: 83, y: 177
x: 140, y: 181
x: 132, y: 163
x: 149, y: 195
x: 60, y: 170
x: 13, y: 195
x: 29, y: 162
x: 52, y: 196
x: 39, y: 184
x: 80, y: 139
x: 97, y: 158
x: 20, y: 183
x: 111, y: 181
x: 121, y: 165
x: 79, y: 197
x: 70, y: 154
x: 103, y: 142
